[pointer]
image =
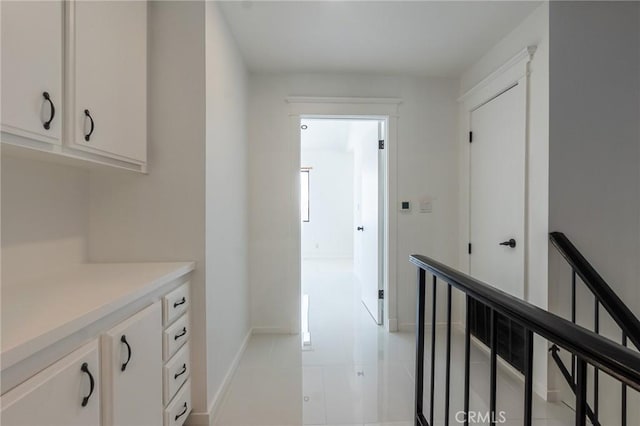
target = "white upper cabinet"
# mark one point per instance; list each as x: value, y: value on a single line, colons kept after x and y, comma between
x: 132, y: 370
x: 107, y: 78
x: 65, y: 394
x: 32, y: 39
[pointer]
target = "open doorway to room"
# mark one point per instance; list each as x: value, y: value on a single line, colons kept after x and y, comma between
x: 342, y: 194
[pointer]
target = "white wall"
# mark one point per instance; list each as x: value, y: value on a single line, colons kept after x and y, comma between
x: 594, y: 157
x: 533, y: 31
x: 426, y: 166
x: 329, y: 232
x: 192, y: 204
x: 45, y: 218
x: 227, y: 251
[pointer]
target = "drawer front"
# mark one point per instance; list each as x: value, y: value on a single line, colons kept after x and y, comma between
x: 175, y: 336
x: 178, y: 411
x: 176, y: 372
x: 175, y: 304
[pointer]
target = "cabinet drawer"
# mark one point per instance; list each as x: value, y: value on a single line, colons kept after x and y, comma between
x: 175, y: 303
x: 178, y: 411
x: 175, y: 336
x: 176, y: 372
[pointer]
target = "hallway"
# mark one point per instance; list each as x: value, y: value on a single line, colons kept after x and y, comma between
x: 355, y: 373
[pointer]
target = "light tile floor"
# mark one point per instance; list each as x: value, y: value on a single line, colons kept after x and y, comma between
x: 356, y: 373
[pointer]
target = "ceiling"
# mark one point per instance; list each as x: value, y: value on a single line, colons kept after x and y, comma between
x: 435, y: 38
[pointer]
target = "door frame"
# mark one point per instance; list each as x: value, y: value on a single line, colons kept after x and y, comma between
x: 350, y: 108
x: 515, y: 72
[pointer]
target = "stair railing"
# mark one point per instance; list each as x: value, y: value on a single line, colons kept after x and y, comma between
x: 603, y: 296
x: 589, y: 348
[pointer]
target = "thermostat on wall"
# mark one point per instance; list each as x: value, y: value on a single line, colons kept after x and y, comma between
x: 405, y: 206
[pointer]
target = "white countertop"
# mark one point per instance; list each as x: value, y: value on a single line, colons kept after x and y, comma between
x: 38, y: 313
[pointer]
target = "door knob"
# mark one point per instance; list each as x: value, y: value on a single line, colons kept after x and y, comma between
x: 360, y: 228
x: 511, y: 243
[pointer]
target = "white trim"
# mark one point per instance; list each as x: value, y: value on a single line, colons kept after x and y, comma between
x: 343, y: 107
x: 208, y: 418
x: 274, y: 330
x: 392, y: 325
x: 411, y: 326
x: 341, y: 100
x: 525, y: 54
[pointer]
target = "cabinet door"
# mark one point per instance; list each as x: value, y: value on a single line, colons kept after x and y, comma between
x: 108, y: 45
x: 132, y: 370
x: 64, y: 394
x: 32, y: 66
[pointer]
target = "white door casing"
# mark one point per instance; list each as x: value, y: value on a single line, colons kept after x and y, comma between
x: 513, y: 75
x: 329, y: 107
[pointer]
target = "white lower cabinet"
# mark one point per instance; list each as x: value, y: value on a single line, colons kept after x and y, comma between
x: 132, y: 370
x: 66, y: 393
x: 126, y: 376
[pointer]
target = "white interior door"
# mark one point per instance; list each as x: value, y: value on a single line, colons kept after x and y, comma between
x: 369, y: 230
x: 497, y: 191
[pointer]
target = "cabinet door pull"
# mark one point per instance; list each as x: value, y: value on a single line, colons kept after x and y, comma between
x: 184, y: 410
x: 184, y: 370
x: 123, y: 339
x: 181, y: 302
x: 182, y: 333
x: 85, y: 369
x: 88, y: 135
x: 47, y: 124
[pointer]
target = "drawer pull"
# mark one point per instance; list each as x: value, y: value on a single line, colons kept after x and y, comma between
x: 184, y: 410
x: 88, y: 135
x: 123, y: 339
x: 85, y: 369
x: 47, y: 124
x: 182, y: 333
x: 181, y: 302
x: 184, y: 370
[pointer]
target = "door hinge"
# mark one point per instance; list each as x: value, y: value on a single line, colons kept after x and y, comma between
x: 380, y: 294
x: 469, y: 249
x: 470, y: 137
x: 381, y: 144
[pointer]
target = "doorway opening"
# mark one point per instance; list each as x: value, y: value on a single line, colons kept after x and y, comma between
x: 343, y: 177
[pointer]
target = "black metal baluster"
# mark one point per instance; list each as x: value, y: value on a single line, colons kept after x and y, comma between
x: 581, y: 393
x: 448, y: 372
x: 494, y: 360
x: 420, y: 346
x: 433, y: 350
x: 573, y: 319
x: 623, y: 414
x: 467, y: 361
x: 528, y: 377
x: 596, y: 372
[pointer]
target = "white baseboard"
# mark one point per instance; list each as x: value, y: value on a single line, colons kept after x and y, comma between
x: 392, y: 325
x: 272, y: 330
x: 411, y: 326
x: 208, y: 418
